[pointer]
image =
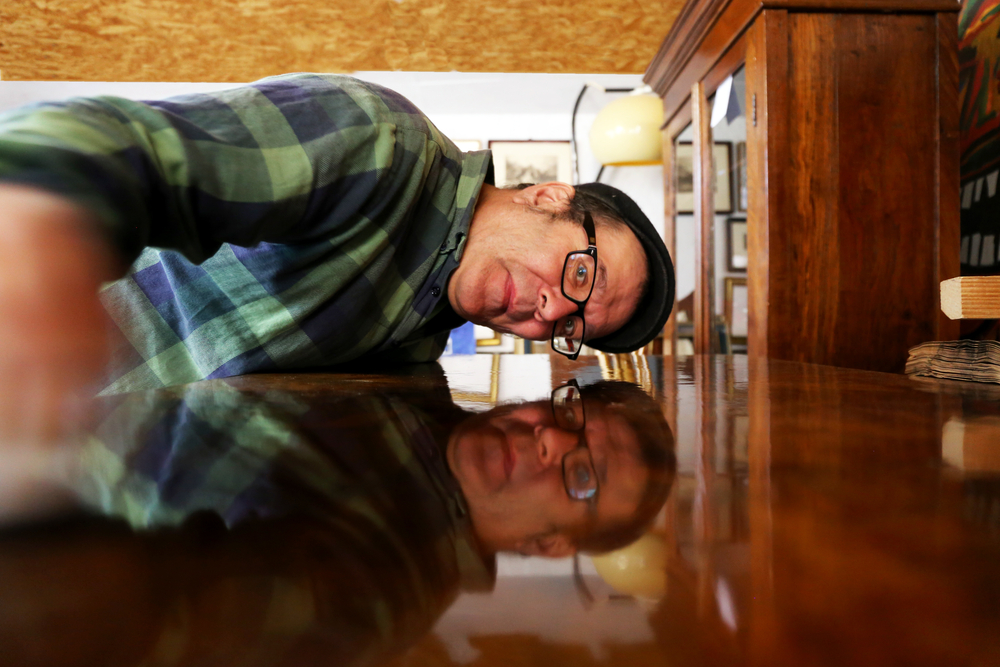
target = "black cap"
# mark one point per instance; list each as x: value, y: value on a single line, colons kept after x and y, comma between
x: 658, y: 300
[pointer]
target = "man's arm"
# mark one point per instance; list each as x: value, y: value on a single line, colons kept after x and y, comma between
x: 85, y: 185
x: 286, y: 159
x: 52, y: 329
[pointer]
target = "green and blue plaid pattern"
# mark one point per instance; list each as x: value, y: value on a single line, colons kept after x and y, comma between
x: 301, y: 221
x: 348, y: 496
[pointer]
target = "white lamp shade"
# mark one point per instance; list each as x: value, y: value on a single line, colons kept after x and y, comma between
x: 627, y: 131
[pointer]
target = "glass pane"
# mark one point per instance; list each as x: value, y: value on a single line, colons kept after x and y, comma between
x: 578, y: 276
x: 567, y: 336
x: 567, y: 405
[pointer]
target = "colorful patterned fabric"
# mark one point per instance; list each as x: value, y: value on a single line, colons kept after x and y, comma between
x: 301, y: 221
x: 979, y: 94
x: 340, y: 522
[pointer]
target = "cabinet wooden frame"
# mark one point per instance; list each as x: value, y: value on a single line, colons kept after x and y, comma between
x: 846, y: 248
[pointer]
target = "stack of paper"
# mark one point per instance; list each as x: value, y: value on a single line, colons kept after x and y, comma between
x: 971, y: 360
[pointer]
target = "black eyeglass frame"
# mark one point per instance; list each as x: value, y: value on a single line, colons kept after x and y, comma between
x: 582, y: 443
x: 588, y: 226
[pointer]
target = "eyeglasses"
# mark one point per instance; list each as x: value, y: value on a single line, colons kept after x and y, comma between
x: 579, y: 477
x: 578, y: 274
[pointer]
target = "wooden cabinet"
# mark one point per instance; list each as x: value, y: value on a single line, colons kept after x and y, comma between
x: 852, y: 150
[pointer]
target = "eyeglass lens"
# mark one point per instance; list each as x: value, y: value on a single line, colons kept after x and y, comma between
x: 578, y: 466
x: 577, y: 285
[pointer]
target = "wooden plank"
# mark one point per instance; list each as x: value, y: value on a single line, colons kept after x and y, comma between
x: 948, y: 160
x: 695, y: 45
x: 669, y: 334
x: 971, y: 298
x: 678, y: 122
x: 706, y: 29
x: 887, y: 226
x: 767, y: 163
x: 704, y: 216
x: 805, y: 245
x: 879, y: 6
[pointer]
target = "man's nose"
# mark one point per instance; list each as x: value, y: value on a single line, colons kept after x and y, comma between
x: 552, y: 305
x: 554, y: 443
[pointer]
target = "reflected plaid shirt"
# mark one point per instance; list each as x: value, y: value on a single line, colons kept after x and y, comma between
x: 351, y: 492
x: 301, y: 221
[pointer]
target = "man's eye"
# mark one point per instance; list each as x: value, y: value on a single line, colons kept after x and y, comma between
x: 580, y: 475
x: 581, y: 274
x: 568, y: 327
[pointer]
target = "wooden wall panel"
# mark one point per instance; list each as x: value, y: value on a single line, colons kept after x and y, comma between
x: 767, y: 160
x: 949, y: 157
x: 240, y: 40
x: 806, y: 252
x: 887, y: 188
x: 852, y: 243
x: 704, y: 221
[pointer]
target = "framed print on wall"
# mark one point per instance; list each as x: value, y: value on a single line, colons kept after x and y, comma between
x: 517, y: 162
x: 736, y: 244
x: 737, y: 310
x: 742, y: 194
x: 722, y: 167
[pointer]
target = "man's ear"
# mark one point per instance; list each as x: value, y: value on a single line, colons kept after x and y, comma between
x: 550, y: 197
x: 552, y: 545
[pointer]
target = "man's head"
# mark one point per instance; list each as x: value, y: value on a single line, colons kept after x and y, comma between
x: 511, y: 274
x: 511, y: 463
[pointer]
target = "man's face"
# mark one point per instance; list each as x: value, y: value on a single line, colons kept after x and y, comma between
x: 509, y: 464
x: 510, y: 276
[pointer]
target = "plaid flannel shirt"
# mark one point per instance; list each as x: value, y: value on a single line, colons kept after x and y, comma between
x: 339, y: 513
x: 301, y: 221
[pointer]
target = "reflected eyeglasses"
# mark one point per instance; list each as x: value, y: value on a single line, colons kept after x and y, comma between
x: 579, y: 476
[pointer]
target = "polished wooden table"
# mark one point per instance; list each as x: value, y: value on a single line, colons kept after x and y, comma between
x: 819, y: 516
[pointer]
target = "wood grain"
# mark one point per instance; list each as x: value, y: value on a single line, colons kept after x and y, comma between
x: 767, y: 159
x: 971, y: 297
x: 888, y: 182
x: 880, y: 6
x: 235, y: 40
x: 948, y: 162
x: 669, y: 334
x: 705, y: 30
x: 704, y: 217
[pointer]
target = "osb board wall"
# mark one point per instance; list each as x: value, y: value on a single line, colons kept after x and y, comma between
x: 243, y: 40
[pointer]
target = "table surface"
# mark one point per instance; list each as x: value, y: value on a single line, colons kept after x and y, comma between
x: 819, y: 516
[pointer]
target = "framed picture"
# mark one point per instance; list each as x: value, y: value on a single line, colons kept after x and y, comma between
x: 736, y: 244
x: 532, y: 162
x: 742, y: 194
x: 737, y: 310
x: 723, y: 181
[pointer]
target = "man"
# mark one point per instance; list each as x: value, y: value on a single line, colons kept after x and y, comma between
x: 319, y: 522
x: 311, y: 221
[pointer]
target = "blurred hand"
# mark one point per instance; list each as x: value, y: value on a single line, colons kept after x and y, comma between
x: 53, y: 340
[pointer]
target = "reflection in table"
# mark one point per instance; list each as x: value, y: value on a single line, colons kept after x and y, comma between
x: 819, y: 516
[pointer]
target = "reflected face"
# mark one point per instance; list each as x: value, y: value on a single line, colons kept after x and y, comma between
x: 510, y: 276
x: 509, y: 463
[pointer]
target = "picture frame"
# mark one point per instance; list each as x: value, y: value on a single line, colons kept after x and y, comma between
x: 736, y: 245
x: 737, y: 310
x: 516, y: 162
x: 742, y: 192
x: 684, y: 172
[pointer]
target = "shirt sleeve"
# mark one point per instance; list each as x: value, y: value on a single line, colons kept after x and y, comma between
x: 287, y: 159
